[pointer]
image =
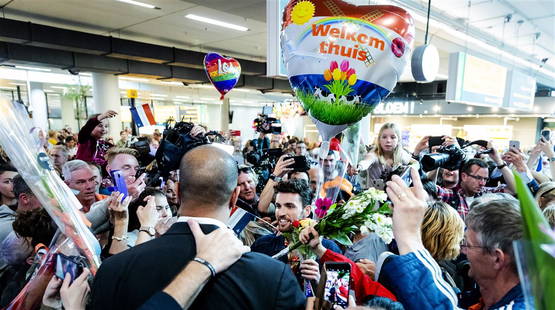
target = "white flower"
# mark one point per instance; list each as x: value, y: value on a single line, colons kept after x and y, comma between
x: 381, y: 225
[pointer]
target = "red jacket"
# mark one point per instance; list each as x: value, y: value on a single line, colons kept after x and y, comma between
x: 362, y: 284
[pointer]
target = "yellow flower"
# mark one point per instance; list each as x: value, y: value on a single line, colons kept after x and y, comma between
x: 327, y: 75
x: 352, y: 79
x: 336, y: 74
x: 343, y: 75
x: 302, y: 12
x: 305, y: 223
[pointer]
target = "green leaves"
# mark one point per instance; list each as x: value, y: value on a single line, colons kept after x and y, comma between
x: 333, y: 113
x: 339, y: 88
x: 540, y: 265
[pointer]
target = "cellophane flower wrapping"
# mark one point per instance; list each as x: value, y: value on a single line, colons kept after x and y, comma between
x: 365, y: 209
x: 20, y: 140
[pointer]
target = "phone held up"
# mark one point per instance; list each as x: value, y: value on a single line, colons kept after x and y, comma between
x: 337, y: 285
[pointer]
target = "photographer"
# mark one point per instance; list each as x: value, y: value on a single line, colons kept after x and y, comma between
x: 474, y: 175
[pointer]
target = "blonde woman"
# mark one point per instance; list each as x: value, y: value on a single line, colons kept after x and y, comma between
x: 442, y: 234
x: 388, y: 154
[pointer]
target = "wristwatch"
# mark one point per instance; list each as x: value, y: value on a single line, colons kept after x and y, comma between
x: 149, y: 230
x: 503, y: 165
x: 275, y: 178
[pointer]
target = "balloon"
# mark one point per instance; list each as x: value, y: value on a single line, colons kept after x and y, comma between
x: 343, y: 59
x: 223, y: 72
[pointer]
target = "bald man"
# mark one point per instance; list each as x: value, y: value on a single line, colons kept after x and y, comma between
x: 208, y: 189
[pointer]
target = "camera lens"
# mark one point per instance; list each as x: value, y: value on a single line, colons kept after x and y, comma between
x: 434, y: 161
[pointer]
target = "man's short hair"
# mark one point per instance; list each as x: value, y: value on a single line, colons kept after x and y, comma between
x: 115, y: 151
x: 69, y: 139
x: 62, y: 148
x: 73, y: 165
x: 207, y: 175
x: 497, y: 224
x: 466, y: 167
x: 296, y: 186
x: 20, y: 187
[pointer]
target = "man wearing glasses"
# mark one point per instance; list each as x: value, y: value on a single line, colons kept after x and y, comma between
x: 474, y: 175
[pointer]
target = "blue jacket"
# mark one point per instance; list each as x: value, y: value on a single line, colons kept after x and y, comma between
x: 416, y: 280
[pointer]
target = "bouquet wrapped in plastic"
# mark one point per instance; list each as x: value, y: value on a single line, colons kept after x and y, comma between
x: 21, y: 142
x: 365, y: 211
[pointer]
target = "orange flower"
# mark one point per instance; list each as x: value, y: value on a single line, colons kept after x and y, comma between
x: 327, y: 75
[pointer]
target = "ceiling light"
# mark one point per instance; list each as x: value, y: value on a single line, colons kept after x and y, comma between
x: 437, y: 108
x: 85, y: 74
x: 184, y: 97
x: 158, y: 95
x: 172, y: 83
x: 18, y: 84
x: 495, y: 109
x: 216, y: 22
x: 137, y: 3
x: 33, y: 68
x: 133, y: 79
x: 470, y: 109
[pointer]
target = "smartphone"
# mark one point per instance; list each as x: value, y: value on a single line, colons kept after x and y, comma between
x: 377, y: 184
x: 300, y: 164
x: 338, y: 279
x: 68, y: 264
x: 546, y: 134
x: 515, y: 144
x: 119, y: 182
x: 435, y: 141
x: 406, y: 176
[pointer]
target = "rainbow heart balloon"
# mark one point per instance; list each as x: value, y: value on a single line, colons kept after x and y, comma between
x: 343, y: 59
x: 223, y: 72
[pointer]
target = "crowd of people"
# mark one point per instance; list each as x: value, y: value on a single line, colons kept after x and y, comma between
x: 168, y: 244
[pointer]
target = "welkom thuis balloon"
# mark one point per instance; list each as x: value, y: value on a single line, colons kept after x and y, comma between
x: 343, y: 59
x: 223, y: 72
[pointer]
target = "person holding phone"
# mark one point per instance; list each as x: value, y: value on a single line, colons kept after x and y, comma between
x: 362, y: 284
x: 387, y: 155
x: 92, y: 147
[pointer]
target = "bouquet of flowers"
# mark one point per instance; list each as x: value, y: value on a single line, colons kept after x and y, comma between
x: 21, y: 142
x: 365, y: 211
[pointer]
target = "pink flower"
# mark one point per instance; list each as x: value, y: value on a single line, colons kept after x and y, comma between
x: 344, y: 65
x: 322, y: 206
x: 333, y: 65
x: 350, y: 72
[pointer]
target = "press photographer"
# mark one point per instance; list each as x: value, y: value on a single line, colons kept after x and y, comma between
x: 474, y: 172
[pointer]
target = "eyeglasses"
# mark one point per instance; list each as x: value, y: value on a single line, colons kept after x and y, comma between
x: 479, y: 178
x: 464, y: 245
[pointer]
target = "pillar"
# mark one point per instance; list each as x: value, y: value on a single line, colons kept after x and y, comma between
x: 106, y: 97
x: 38, y: 106
x: 225, y: 115
x: 69, y: 114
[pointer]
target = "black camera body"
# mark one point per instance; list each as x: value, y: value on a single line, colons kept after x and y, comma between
x: 266, y: 124
x: 449, y: 157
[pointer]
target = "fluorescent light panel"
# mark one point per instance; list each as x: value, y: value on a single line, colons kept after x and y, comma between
x: 216, y: 22
x: 33, y: 68
x: 137, y: 3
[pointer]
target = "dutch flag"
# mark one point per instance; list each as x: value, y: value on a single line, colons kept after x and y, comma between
x: 142, y: 115
x: 239, y: 219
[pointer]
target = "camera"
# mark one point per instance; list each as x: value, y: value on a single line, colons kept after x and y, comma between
x: 263, y: 161
x: 449, y: 157
x: 267, y: 124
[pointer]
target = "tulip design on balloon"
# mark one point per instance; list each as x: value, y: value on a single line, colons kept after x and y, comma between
x: 342, y: 60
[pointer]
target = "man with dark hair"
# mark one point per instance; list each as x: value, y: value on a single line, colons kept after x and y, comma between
x: 292, y: 200
x: 7, y: 199
x: 208, y: 189
x: 474, y: 174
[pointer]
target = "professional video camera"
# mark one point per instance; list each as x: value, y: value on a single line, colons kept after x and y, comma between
x: 176, y: 142
x: 266, y: 123
x: 452, y: 157
x: 263, y: 161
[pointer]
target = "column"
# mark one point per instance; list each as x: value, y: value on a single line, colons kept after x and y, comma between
x: 106, y: 97
x: 38, y: 106
x: 69, y: 114
x: 225, y: 115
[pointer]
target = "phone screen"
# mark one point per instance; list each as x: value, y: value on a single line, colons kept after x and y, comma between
x: 336, y: 290
x: 300, y: 164
x: 406, y: 176
x: 65, y: 264
x: 119, y: 182
x: 515, y: 144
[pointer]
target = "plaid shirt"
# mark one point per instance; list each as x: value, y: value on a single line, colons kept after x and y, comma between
x: 456, y: 198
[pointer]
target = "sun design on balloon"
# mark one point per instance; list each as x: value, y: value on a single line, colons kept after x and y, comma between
x: 302, y: 12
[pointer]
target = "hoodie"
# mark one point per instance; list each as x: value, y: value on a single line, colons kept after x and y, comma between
x: 7, y: 217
